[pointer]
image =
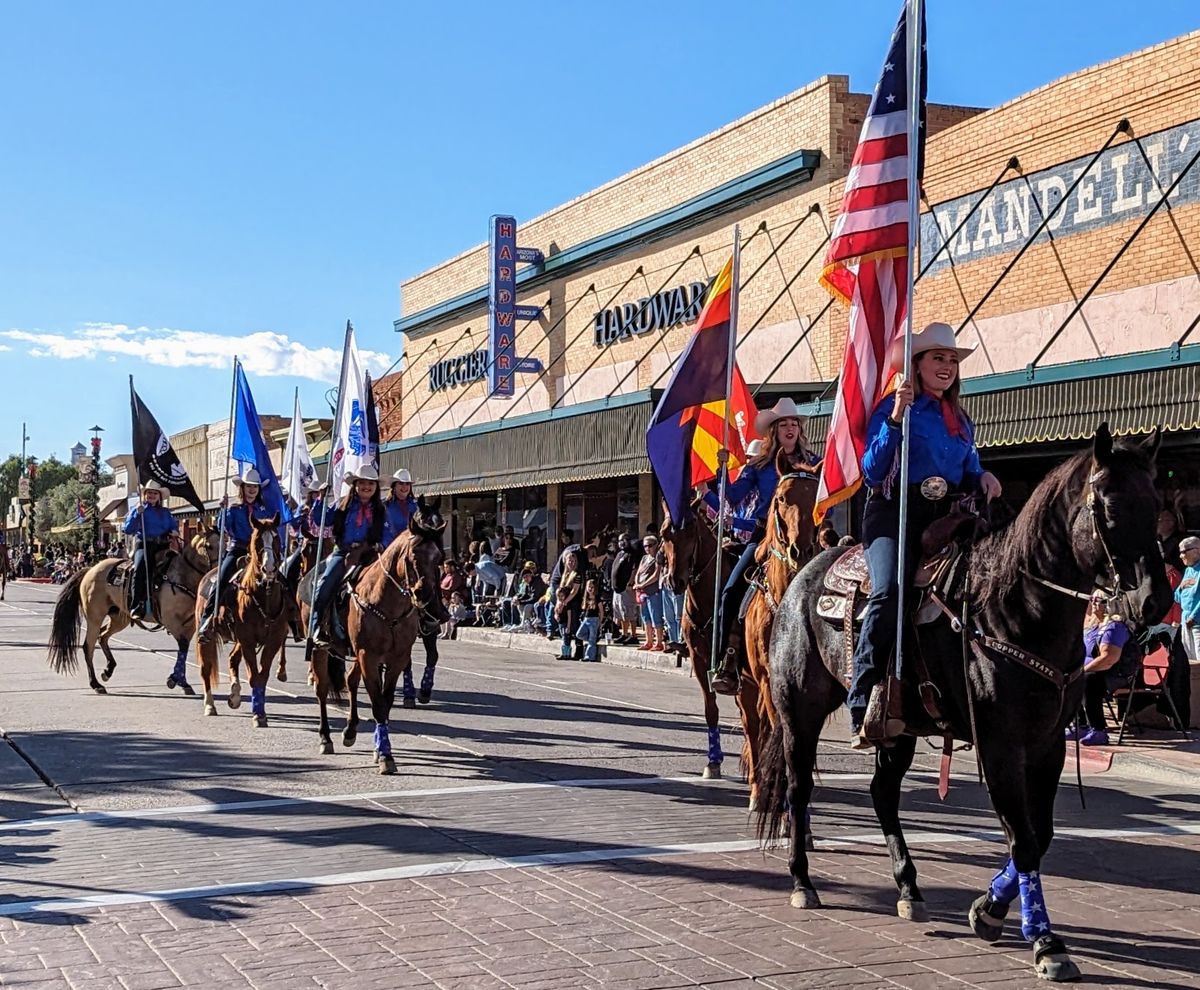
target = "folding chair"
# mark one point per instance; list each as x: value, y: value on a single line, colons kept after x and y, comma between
x: 1153, y: 673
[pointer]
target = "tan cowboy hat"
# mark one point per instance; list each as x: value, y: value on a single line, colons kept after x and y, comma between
x: 153, y: 486
x: 935, y: 337
x: 402, y: 475
x: 785, y: 408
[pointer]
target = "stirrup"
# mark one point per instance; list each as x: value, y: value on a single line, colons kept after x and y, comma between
x: 726, y: 679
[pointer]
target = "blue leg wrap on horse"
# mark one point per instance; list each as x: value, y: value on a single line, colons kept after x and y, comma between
x: 1005, y: 885
x: 715, y: 755
x: 383, y: 742
x: 427, y: 679
x: 258, y: 701
x: 1035, y: 921
x: 409, y: 690
x: 180, y: 671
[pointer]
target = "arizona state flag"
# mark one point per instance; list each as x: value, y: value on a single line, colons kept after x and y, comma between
x: 685, y: 432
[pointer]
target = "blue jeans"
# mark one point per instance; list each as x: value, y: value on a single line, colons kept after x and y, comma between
x: 551, y: 622
x: 734, y: 593
x: 228, y: 565
x: 877, y: 638
x: 327, y: 587
x: 652, y: 609
x: 673, y: 615
x: 589, y: 632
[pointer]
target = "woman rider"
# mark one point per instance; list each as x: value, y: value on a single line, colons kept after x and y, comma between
x: 313, y: 515
x: 400, y: 505
x: 238, y: 533
x: 943, y: 460
x: 359, y: 520
x: 154, y: 523
x: 783, y: 426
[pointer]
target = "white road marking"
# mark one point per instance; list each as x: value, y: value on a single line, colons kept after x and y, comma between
x: 534, y: 861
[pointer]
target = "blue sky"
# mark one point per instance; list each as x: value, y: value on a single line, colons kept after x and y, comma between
x: 184, y: 182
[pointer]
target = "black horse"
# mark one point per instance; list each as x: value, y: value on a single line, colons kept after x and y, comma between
x: 1089, y: 524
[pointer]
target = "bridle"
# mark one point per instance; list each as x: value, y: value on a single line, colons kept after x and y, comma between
x: 791, y: 559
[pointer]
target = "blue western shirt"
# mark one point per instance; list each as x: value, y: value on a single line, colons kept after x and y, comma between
x: 1188, y: 594
x: 761, y: 481
x: 399, y: 514
x: 158, y: 521
x: 353, y: 531
x: 933, y: 453
x: 312, y: 517
x: 237, y: 521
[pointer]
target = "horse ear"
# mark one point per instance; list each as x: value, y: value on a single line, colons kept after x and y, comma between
x: 782, y: 466
x: 421, y: 501
x: 1102, y: 445
x: 273, y: 522
x: 1151, y: 444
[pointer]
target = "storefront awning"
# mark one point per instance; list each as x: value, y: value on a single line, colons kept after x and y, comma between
x: 1133, y: 394
x: 112, y: 507
x: 593, y: 441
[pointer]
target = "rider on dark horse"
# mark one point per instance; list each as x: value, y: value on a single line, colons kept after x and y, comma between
x: 155, y: 533
x: 783, y: 426
x: 238, y: 533
x: 943, y: 461
x: 359, y: 521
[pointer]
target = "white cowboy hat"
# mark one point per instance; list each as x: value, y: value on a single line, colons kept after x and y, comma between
x: 754, y: 448
x: 365, y: 473
x: 402, y: 475
x: 935, y: 337
x: 785, y: 408
x: 316, y: 485
x: 153, y: 486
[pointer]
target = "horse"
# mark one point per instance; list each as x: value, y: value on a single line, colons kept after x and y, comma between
x: 691, y: 557
x: 4, y: 565
x: 395, y: 599
x: 256, y: 622
x: 428, y: 523
x: 101, y: 597
x: 1009, y: 677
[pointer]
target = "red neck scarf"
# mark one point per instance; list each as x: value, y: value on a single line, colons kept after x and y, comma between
x: 952, y: 419
x: 364, y: 512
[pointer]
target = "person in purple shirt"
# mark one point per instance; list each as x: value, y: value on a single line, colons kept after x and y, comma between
x: 943, y: 460
x: 1106, y: 639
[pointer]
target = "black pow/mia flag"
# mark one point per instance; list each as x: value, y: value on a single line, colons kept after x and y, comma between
x: 154, y: 456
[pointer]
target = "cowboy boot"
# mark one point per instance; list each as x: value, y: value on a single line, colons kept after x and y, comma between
x: 726, y: 679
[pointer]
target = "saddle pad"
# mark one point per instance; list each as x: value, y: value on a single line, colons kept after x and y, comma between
x: 119, y: 575
x: 849, y: 570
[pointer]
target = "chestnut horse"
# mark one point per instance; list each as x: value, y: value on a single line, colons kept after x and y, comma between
x: 255, y: 622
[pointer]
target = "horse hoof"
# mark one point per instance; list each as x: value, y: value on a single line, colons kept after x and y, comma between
x: 712, y: 772
x: 104, y: 674
x: 409, y: 702
x: 171, y: 682
x: 348, y: 739
x: 805, y: 899
x: 235, y: 695
x: 99, y: 688
x: 809, y: 844
x: 387, y: 766
x: 1057, y: 967
x: 326, y: 747
x: 281, y: 675
x: 210, y: 708
x: 188, y: 690
x: 424, y: 696
x: 260, y: 721
x: 986, y: 924
x: 910, y: 910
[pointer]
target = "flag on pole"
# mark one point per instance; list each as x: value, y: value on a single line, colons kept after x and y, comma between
x: 250, y: 450
x: 298, y: 469
x: 81, y: 513
x: 866, y: 266
x: 154, y: 456
x: 351, y: 443
x: 372, y: 423
x: 684, y: 435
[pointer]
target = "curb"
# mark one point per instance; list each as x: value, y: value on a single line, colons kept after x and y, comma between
x: 617, y: 656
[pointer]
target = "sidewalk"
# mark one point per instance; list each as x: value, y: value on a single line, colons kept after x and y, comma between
x: 1151, y: 754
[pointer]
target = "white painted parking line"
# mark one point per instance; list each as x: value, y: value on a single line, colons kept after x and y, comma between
x: 538, y: 860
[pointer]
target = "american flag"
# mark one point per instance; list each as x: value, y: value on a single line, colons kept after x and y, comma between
x: 867, y: 265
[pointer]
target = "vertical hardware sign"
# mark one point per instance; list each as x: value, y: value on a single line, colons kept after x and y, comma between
x: 503, y: 311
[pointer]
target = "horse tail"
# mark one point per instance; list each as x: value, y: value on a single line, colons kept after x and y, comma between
x: 64, y: 627
x: 337, y: 677
x: 772, y: 786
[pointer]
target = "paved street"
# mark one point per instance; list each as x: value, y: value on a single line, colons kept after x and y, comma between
x: 548, y: 827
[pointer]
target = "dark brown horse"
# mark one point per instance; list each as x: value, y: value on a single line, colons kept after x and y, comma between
x: 4, y: 565
x: 1089, y: 524
x: 397, y: 594
x: 256, y: 622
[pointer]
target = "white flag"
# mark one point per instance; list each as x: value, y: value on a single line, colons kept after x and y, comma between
x: 351, y: 449
x: 298, y: 470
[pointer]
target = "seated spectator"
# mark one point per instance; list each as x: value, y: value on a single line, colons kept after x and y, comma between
x: 518, y: 609
x: 1110, y: 657
x: 461, y: 614
x: 453, y: 580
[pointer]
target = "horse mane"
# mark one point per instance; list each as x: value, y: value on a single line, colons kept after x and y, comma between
x: 1013, y: 545
x: 254, y: 564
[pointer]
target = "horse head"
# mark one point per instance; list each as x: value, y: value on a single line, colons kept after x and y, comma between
x: 420, y: 557
x: 790, y: 528
x: 680, y: 545
x: 428, y: 521
x: 1113, y: 533
x: 263, y: 568
x: 207, y: 545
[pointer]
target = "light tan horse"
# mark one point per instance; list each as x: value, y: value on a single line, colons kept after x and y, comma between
x: 93, y: 596
x: 256, y: 622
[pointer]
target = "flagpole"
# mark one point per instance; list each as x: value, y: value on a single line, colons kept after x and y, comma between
x: 915, y: 44
x: 146, y: 605
x: 225, y: 490
x: 333, y: 439
x: 723, y: 453
x: 293, y: 448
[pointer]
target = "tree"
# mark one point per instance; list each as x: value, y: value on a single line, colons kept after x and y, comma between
x: 50, y: 474
x: 59, y: 507
x: 10, y: 471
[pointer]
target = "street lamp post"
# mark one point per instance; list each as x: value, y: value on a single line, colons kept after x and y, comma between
x: 31, y: 474
x: 96, y: 431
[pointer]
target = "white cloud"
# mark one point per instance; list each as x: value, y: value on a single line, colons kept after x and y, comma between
x: 262, y: 353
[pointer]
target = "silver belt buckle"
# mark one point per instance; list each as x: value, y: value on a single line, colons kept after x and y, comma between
x: 935, y: 488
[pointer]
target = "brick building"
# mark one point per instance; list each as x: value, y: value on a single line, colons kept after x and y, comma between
x: 624, y: 262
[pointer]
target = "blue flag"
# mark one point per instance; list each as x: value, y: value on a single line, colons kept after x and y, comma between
x: 249, y: 449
